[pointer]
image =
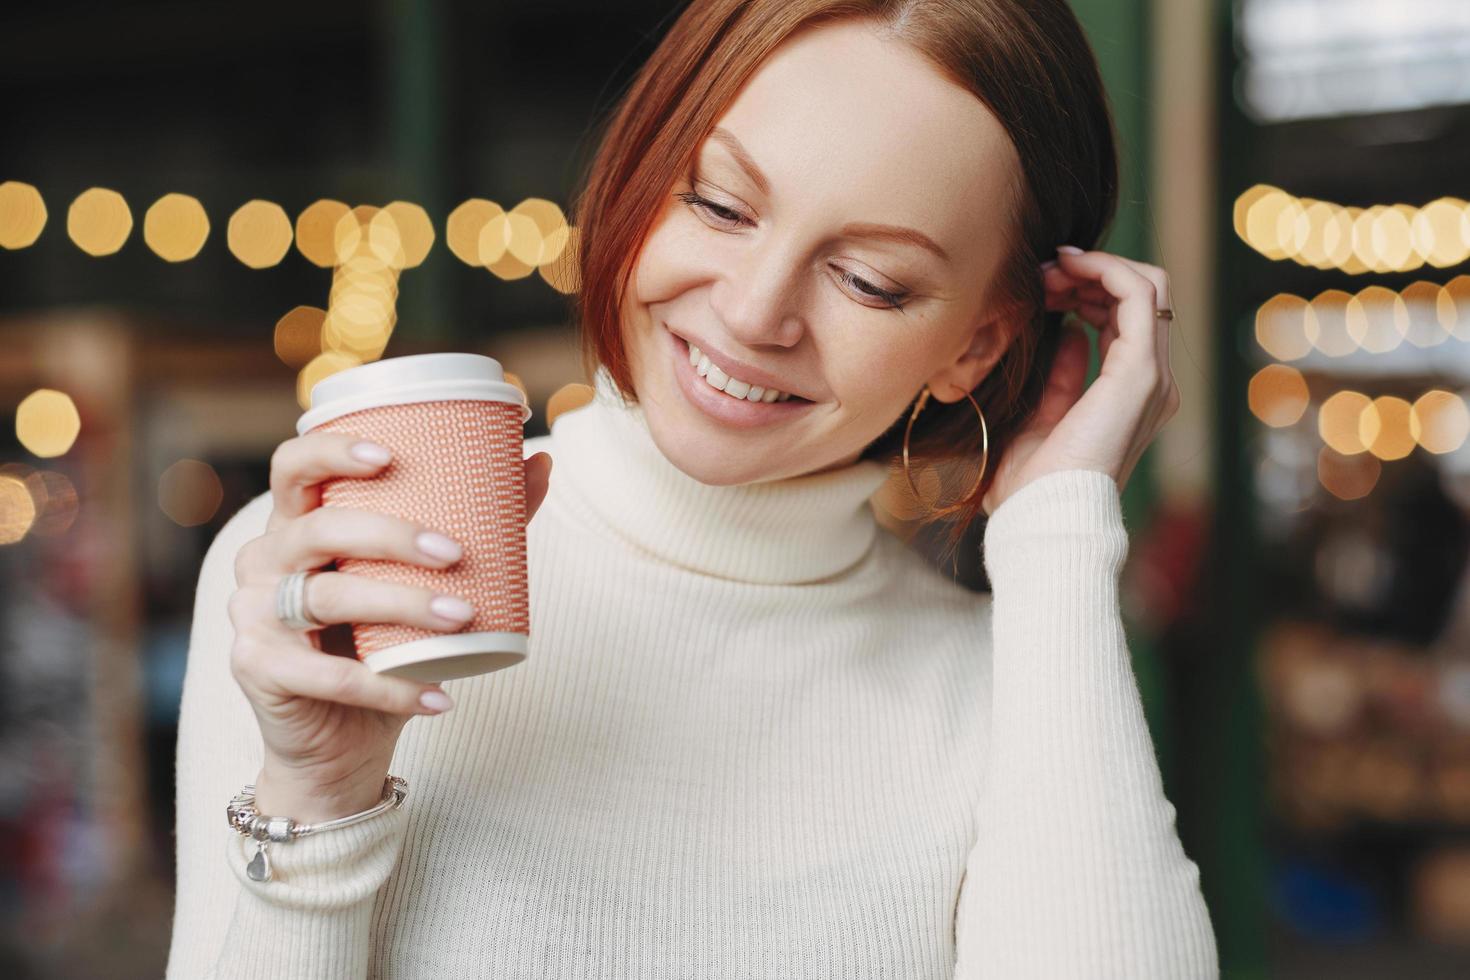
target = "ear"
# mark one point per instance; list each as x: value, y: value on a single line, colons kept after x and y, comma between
x: 982, y: 346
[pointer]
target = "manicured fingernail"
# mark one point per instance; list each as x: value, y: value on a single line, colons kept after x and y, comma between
x: 451, y: 607
x: 1049, y: 264
x: 438, y: 546
x: 371, y: 452
x: 1069, y: 249
x: 436, y: 701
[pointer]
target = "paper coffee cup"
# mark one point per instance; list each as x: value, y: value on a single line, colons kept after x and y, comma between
x: 455, y: 428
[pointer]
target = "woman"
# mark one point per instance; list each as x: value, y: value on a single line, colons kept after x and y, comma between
x: 756, y: 735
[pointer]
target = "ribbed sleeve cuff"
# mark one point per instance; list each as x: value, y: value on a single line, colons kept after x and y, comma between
x: 333, y: 869
x: 313, y: 918
x: 1068, y: 516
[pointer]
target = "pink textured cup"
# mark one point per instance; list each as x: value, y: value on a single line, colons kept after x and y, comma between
x: 454, y: 426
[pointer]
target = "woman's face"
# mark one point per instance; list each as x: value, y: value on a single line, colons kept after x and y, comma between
x: 783, y: 275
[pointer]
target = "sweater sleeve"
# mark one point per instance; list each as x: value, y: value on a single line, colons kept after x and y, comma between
x: 313, y: 919
x: 1077, y: 870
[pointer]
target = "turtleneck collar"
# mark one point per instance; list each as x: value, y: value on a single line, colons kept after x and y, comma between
x: 787, y: 531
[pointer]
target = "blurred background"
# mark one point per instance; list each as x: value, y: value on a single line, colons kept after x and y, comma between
x: 205, y: 208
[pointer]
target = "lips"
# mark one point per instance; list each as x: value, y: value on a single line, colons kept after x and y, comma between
x: 737, y: 369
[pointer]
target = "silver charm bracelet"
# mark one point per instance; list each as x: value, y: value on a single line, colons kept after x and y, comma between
x: 248, y: 822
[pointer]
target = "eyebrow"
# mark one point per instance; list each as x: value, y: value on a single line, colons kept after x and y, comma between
x: 853, y: 229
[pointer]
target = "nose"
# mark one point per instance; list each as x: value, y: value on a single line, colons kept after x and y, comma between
x: 757, y: 299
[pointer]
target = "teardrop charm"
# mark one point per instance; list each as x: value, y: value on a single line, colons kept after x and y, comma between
x: 259, y: 868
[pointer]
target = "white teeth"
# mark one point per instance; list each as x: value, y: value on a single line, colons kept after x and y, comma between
x: 733, y: 387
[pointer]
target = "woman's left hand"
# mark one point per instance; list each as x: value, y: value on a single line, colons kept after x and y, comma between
x: 1107, y: 426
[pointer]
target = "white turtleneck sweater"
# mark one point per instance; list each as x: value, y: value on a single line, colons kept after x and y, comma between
x: 756, y: 736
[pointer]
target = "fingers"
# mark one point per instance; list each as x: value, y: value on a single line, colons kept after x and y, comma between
x: 538, y: 481
x: 342, y: 597
x: 1133, y: 318
x: 299, y: 465
x: 282, y: 671
x: 1068, y: 377
x: 327, y: 533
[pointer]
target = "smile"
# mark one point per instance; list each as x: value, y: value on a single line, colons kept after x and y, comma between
x: 730, y: 402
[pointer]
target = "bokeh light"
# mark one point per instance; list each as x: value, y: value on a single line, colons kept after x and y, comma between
x: 175, y: 227
x: 1439, y: 421
x: 1338, y: 422
x: 567, y: 398
x: 22, y: 214
x: 1281, y: 327
x: 99, y: 221
x: 462, y: 229
x: 190, y: 492
x: 1278, y: 395
x: 564, y: 273
x: 324, y: 365
x: 1383, y: 427
x: 47, y: 422
x: 17, y: 509
x: 298, y: 335
x: 1348, y: 477
x: 1326, y: 323
x: 56, y: 502
x: 259, y: 234
x: 1396, y: 237
x: 316, y: 228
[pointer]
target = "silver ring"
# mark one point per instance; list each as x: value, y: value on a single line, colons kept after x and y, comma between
x: 291, y: 602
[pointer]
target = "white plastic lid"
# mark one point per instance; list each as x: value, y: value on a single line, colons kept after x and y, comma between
x: 414, y: 378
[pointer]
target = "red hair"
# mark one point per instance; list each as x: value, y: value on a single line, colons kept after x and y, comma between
x: 1029, y: 63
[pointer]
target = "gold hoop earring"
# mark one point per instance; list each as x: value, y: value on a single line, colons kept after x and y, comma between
x: 984, y: 452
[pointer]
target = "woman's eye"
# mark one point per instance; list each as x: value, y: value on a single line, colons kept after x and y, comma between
x: 717, y: 211
x: 893, y: 300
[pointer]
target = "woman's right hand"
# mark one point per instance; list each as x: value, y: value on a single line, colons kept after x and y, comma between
x: 329, y: 722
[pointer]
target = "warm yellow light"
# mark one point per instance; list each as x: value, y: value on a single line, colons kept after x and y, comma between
x: 22, y: 214
x: 298, y: 336
x: 47, y: 422
x: 1457, y: 307
x: 496, y: 251
x: 175, y: 227
x: 1430, y: 313
x: 17, y: 509
x: 1437, y: 232
x: 99, y: 221
x: 316, y: 228
x: 1325, y: 323
x: 415, y: 231
x: 1277, y: 395
x: 567, y: 398
x: 564, y: 273
x: 1439, y: 421
x: 1377, y: 319
x: 1281, y: 327
x: 1383, y: 427
x: 56, y: 502
x: 1337, y: 421
x: 1393, y: 239
x: 259, y: 234
x: 350, y: 236
x: 1263, y: 223
x: 1243, y: 204
x: 551, y: 227
x: 1311, y: 234
x: 1347, y: 477
x: 1381, y: 238
x: 462, y: 230
x: 190, y: 492
x: 324, y: 365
